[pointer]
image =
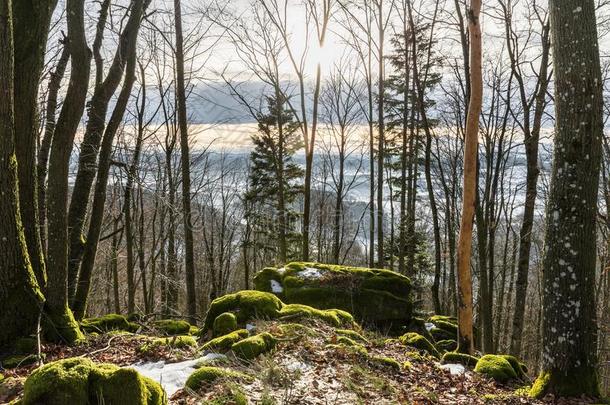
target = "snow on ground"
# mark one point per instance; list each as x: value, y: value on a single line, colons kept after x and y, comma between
x: 172, y: 376
x: 276, y: 287
x: 454, y: 369
x: 429, y: 326
x: 311, y: 273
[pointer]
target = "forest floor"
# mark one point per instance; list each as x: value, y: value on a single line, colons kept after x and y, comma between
x: 306, y: 368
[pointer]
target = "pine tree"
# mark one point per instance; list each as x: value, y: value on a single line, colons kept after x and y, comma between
x: 274, y: 175
x: 569, y: 322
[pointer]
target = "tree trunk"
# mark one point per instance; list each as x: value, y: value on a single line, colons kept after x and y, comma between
x: 59, y: 322
x: 569, y: 327
x: 19, y: 291
x: 465, y: 329
x: 189, y: 260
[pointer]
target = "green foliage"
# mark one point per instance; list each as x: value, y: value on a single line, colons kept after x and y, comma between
x: 108, y: 323
x: 224, y: 323
x: 459, y: 358
x: 385, y: 362
x: 496, y: 367
x: 79, y: 381
x: 177, y: 342
x: 172, y: 327
x: 419, y: 342
x: 253, y: 346
x: 209, y: 375
x: 224, y: 343
x: 274, y: 180
x: 246, y: 305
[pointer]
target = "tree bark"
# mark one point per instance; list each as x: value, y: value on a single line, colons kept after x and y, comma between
x: 189, y: 259
x: 19, y: 291
x: 465, y: 328
x: 59, y: 321
x: 569, y: 327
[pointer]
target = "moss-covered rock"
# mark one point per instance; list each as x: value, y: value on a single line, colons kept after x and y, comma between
x: 292, y: 330
x: 224, y: 323
x: 439, y: 334
x: 459, y: 358
x: 224, y: 343
x: 516, y: 365
x: 578, y: 382
x: 496, y: 367
x: 172, y: 326
x: 335, y: 317
x: 108, y: 323
x: 209, y: 375
x: 447, y: 345
x: 176, y: 342
x: 371, y: 295
x: 419, y: 342
x: 245, y: 305
x: 385, y: 362
x: 253, y: 346
x: 352, y: 334
x: 418, y: 325
x: 79, y: 381
x: 19, y: 360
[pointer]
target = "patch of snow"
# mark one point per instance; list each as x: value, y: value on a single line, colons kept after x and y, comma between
x: 454, y: 369
x: 429, y: 326
x: 172, y: 376
x: 297, y: 365
x: 310, y: 272
x: 250, y: 327
x: 281, y: 270
x: 276, y: 287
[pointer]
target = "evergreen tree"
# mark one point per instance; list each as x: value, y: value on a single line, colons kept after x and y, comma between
x: 274, y: 177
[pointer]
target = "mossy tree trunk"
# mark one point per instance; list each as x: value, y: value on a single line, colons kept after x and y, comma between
x: 59, y: 322
x: 31, y: 26
x: 464, y: 248
x: 569, y: 328
x: 19, y: 291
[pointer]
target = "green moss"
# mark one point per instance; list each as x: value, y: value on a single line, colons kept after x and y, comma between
x: 224, y: 323
x: 416, y: 356
x: 333, y: 317
x: 459, y: 358
x: 224, y: 343
x: 352, y: 334
x: 385, y: 362
x: 446, y: 345
x: 418, y: 325
x: 172, y: 327
x: 209, y: 375
x: 294, y: 330
x: 245, y: 305
x: 79, y: 381
x: 59, y: 326
x: 441, y: 334
x: 353, y: 349
x: 108, y: 323
x: 253, y: 346
x: 344, y: 340
x: 575, y: 382
x: 19, y: 361
x: 372, y: 295
x: 176, y: 342
x: 231, y: 394
x: 419, y: 342
x: 496, y: 367
x: 516, y: 365
x: 194, y: 331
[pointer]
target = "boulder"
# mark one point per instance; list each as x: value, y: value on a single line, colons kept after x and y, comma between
x: 376, y: 296
x: 79, y: 381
